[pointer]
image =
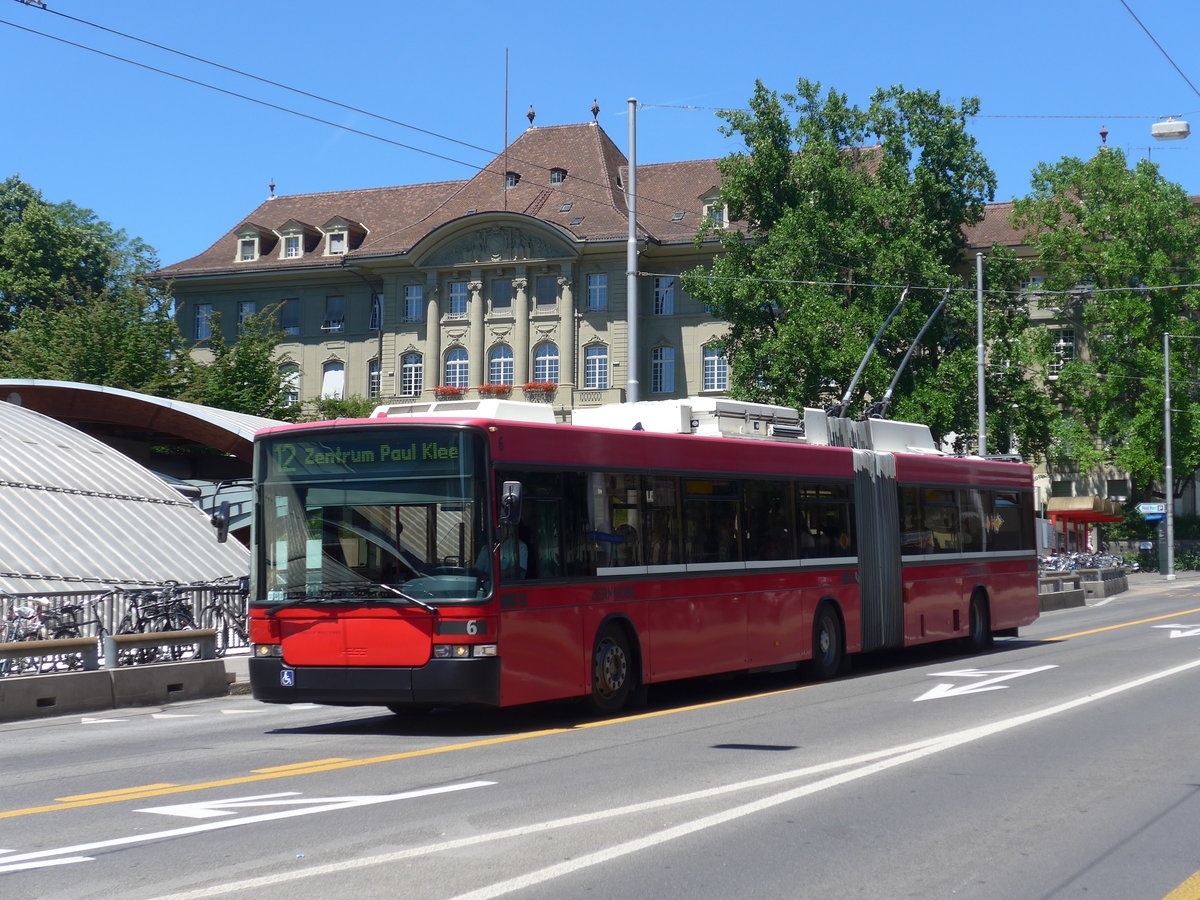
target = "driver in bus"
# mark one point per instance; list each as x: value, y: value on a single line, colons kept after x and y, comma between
x: 514, y: 555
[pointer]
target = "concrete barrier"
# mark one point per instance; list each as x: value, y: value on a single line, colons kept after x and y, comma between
x: 1101, y: 583
x: 158, y: 683
x: 37, y: 696
x: 1061, y: 591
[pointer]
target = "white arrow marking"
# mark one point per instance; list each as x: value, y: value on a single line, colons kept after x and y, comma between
x: 88, y: 721
x: 203, y: 809
x: 173, y: 715
x: 989, y: 684
x: 1182, y: 630
x: 6, y: 862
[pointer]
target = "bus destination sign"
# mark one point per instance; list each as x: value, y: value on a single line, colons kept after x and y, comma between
x: 432, y: 456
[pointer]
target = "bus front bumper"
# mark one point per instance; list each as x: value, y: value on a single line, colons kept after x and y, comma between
x: 440, y: 682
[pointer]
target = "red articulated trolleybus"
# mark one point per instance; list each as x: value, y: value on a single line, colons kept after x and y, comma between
x: 481, y: 553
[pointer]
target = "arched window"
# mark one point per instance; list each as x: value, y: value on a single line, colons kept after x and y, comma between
x: 716, y: 370
x: 333, y: 380
x: 412, y: 375
x: 595, y: 367
x: 545, y: 363
x: 662, y: 370
x: 456, y: 368
x: 500, y: 365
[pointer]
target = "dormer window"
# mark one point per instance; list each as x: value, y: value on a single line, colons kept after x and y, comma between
x: 253, y: 242
x: 557, y: 175
x: 298, y: 239
x: 342, y: 236
x: 337, y: 243
x: 511, y: 179
x: 291, y: 247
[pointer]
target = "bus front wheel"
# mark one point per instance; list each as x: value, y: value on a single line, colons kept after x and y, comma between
x: 612, y: 671
x: 828, y: 645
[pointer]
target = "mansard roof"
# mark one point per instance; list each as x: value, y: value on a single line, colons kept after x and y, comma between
x: 397, y: 218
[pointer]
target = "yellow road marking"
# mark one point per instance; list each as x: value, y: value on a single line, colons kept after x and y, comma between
x: 1174, y: 615
x: 335, y: 763
x: 120, y: 792
x: 1189, y: 890
x: 303, y: 765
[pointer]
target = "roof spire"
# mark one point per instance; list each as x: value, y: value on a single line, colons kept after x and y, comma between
x: 531, y: 115
x: 595, y: 109
x: 272, y: 187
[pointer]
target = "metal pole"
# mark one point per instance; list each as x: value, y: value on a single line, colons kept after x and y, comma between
x: 1169, y: 475
x: 979, y: 353
x: 631, y: 263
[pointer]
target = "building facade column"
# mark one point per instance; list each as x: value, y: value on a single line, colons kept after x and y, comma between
x: 520, y: 330
x: 477, y: 367
x: 432, y: 369
x: 566, y: 340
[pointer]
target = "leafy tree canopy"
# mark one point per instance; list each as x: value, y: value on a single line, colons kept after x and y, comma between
x: 1122, y: 245
x: 246, y: 376
x: 838, y: 208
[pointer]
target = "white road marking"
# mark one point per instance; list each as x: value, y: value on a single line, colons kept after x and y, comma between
x: 45, y: 864
x: 1178, y: 631
x: 240, y: 712
x: 174, y: 715
x: 210, y: 809
x: 323, y: 805
x: 991, y: 684
x: 877, y: 762
x: 86, y: 720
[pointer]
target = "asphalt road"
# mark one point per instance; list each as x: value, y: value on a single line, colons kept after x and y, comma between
x: 1063, y: 764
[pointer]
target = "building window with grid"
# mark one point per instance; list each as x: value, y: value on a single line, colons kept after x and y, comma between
x: 458, y: 300
x: 414, y: 302
x: 500, y: 365
x: 456, y: 368
x: 662, y: 370
x: 595, y: 367
x: 248, y: 249
x: 203, y: 321
x: 716, y: 370
x: 597, y: 292
x: 246, y: 309
x: 412, y: 375
x: 335, y: 314
x: 502, y: 292
x: 291, y: 247
x: 1064, y: 349
x: 376, y: 312
x: 545, y: 363
x: 289, y: 380
x: 289, y: 316
x: 373, y: 378
x: 557, y: 175
x: 664, y: 296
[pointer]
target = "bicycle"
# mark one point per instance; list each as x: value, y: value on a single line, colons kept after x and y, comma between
x: 22, y: 623
x: 77, y: 619
x: 156, y: 609
x: 226, y: 614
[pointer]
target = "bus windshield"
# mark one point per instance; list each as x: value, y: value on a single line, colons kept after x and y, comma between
x: 373, y: 516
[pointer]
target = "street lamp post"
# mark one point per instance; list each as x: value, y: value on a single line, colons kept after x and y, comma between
x: 1168, y: 475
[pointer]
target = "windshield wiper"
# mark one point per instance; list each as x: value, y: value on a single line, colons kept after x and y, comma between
x: 355, y: 585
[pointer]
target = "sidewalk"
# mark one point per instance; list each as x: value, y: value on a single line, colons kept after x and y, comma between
x: 237, y: 670
x: 1152, y: 582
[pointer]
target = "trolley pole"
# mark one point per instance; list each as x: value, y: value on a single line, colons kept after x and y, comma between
x: 1169, y: 473
x: 979, y: 354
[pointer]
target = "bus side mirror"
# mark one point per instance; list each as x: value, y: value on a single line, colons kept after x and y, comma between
x: 220, y: 521
x: 510, y: 503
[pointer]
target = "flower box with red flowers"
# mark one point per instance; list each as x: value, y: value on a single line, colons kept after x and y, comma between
x: 448, y: 391
x: 495, y: 390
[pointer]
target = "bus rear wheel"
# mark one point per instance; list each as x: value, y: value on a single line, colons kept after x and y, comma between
x: 828, y: 646
x: 612, y: 671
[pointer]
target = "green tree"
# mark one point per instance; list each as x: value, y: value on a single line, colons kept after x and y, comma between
x: 326, y: 408
x: 244, y: 376
x: 839, y: 207
x: 126, y: 340
x: 1120, y: 247
x: 54, y: 255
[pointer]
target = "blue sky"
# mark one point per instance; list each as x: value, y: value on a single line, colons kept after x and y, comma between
x: 177, y: 164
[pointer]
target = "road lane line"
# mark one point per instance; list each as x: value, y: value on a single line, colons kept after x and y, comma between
x: 118, y: 793
x: 1189, y: 890
x: 867, y: 764
x: 301, y: 765
x: 1063, y: 637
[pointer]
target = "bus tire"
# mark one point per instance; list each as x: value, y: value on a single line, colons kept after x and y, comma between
x: 979, y: 624
x: 828, y: 645
x: 612, y: 671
